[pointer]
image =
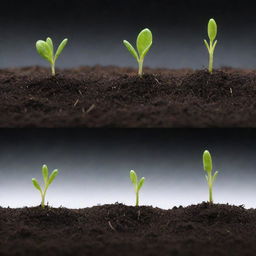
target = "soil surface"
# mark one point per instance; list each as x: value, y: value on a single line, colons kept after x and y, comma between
x: 117, y: 229
x: 117, y: 97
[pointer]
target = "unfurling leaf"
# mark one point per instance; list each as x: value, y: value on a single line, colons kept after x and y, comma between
x: 207, y: 161
x: 36, y: 184
x: 133, y: 177
x: 144, y: 42
x: 53, y: 176
x: 212, y: 30
x: 141, y: 183
x: 60, y: 48
x: 45, y: 173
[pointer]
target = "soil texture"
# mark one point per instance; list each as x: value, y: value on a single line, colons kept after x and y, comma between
x: 110, y: 230
x: 117, y: 97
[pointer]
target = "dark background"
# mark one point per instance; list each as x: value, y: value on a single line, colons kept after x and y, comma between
x: 94, y: 166
x: 96, y: 30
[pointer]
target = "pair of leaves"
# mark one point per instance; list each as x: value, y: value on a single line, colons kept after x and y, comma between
x: 213, y: 178
x: 46, y: 49
x: 207, y: 162
x: 47, y: 179
x: 212, y: 33
x: 134, y: 179
x: 144, y: 43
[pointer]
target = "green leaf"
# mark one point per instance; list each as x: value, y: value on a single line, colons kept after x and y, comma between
x: 131, y: 50
x: 36, y: 184
x: 207, y: 45
x: 207, y: 161
x: 44, y: 50
x: 144, y: 42
x: 53, y: 176
x: 212, y: 30
x: 50, y: 43
x: 141, y: 183
x: 133, y: 177
x: 215, y: 176
x: 214, y: 45
x: 60, y: 48
x: 45, y: 173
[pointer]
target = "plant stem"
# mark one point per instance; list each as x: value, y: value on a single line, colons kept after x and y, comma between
x: 140, y: 68
x: 137, y: 198
x: 43, y: 200
x: 210, y: 195
x: 53, y: 69
x: 210, y: 62
x: 210, y: 181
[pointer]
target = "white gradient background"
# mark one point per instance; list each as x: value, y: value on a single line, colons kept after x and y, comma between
x: 94, y: 166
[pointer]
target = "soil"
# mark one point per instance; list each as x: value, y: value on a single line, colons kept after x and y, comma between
x: 110, y: 230
x: 117, y: 97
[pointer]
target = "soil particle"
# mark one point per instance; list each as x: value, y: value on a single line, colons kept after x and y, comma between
x: 197, y: 230
x: 117, y: 97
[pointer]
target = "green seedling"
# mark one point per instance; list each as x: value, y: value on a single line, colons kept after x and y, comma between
x: 47, y: 182
x: 212, y: 33
x: 46, y: 50
x: 207, y: 162
x: 144, y: 43
x: 137, y: 184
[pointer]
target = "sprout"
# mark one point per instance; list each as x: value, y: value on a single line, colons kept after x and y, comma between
x: 137, y: 185
x: 144, y: 43
x: 212, y: 33
x: 207, y: 161
x: 47, y: 182
x: 46, y: 50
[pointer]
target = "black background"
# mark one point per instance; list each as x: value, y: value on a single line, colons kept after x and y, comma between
x: 96, y: 30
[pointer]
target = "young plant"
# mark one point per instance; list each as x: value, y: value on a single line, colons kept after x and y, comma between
x: 137, y: 184
x: 212, y: 33
x: 46, y: 50
x: 207, y: 162
x: 47, y: 182
x: 144, y: 43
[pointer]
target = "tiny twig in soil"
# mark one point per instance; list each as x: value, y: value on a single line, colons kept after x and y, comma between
x: 76, y: 103
x: 138, y: 215
x: 109, y: 223
x: 90, y: 108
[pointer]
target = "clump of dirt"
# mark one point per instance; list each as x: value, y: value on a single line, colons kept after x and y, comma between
x: 117, y: 97
x: 197, y: 230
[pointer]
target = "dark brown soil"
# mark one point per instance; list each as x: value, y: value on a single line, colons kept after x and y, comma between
x: 111, y: 230
x: 117, y: 97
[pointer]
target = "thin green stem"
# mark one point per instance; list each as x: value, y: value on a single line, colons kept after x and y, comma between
x: 211, y: 62
x: 43, y: 200
x: 140, y: 68
x: 53, y: 69
x: 137, y: 198
x: 44, y: 194
x: 211, y: 50
x: 210, y: 195
x: 210, y: 181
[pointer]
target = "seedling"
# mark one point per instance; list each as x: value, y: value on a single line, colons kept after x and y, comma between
x: 144, y: 43
x: 137, y: 184
x: 207, y: 162
x: 47, y: 182
x: 46, y: 50
x: 212, y: 33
